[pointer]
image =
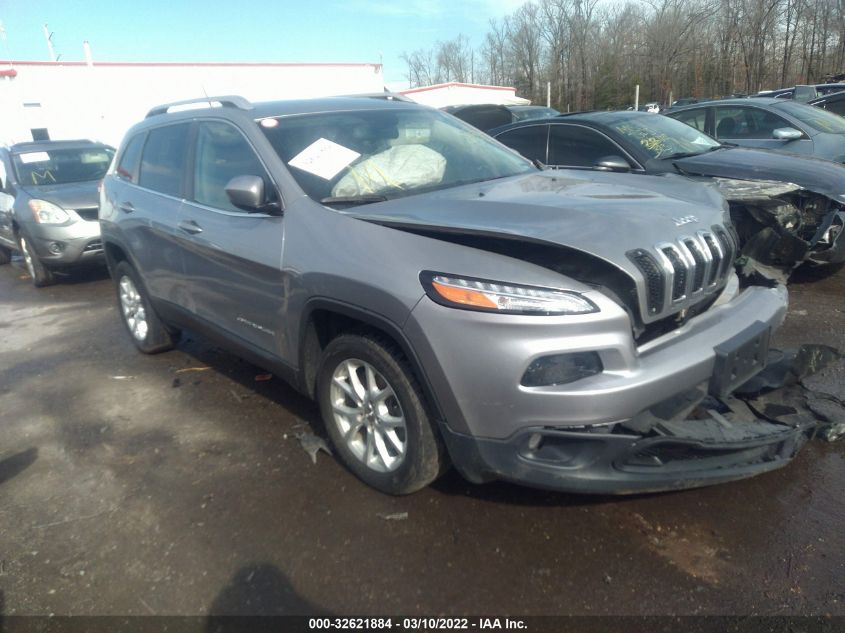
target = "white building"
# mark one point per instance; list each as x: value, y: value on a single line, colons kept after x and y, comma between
x: 100, y: 100
x: 454, y: 93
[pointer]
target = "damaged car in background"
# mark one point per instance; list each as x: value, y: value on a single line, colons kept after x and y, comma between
x: 445, y: 300
x: 787, y: 209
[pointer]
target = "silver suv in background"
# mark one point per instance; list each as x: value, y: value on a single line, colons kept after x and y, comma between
x: 48, y: 204
x: 444, y: 299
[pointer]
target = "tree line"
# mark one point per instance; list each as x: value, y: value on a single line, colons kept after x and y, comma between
x: 594, y: 52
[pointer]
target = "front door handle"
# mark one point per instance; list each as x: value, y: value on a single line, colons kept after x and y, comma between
x: 189, y: 226
x: 126, y: 207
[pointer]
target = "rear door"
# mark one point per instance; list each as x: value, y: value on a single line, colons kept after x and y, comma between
x: 148, y: 193
x: 232, y: 256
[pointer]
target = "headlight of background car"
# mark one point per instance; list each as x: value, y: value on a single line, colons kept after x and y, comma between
x: 495, y: 296
x: 47, y: 212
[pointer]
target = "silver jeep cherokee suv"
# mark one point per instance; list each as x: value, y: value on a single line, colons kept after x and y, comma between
x: 445, y: 300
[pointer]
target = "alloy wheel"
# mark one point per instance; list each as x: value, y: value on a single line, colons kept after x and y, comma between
x: 368, y: 415
x: 133, y: 309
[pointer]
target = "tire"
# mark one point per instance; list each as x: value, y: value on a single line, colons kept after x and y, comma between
x: 5, y: 255
x: 393, y: 457
x: 146, y: 329
x: 41, y: 275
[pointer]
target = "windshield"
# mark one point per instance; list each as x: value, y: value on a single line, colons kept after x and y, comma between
x: 386, y: 153
x: 61, y: 166
x: 818, y: 119
x: 662, y: 137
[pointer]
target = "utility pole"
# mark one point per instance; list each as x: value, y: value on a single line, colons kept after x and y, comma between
x: 49, y: 37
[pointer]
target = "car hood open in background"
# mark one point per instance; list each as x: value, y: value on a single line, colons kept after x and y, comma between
x: 813, y: 174
x: 787, y: 209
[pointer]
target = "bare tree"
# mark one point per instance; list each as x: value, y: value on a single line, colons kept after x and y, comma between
x: 595, y: 51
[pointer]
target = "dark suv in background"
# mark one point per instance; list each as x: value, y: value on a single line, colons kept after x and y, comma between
x: 444, y: 299
x: 48, y: 204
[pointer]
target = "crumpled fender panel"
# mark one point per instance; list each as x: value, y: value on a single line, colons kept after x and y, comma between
x: 781, y: 225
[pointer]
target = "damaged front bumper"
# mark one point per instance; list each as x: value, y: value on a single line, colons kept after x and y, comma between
x: 722, y: 441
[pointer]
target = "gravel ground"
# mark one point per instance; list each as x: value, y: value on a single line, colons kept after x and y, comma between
x: 175, y: 484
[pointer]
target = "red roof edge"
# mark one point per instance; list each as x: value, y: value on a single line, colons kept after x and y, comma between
x: 457, y: 85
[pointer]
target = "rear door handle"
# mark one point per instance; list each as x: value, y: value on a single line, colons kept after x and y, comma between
x: 126, y: 207
x: 189, y: 226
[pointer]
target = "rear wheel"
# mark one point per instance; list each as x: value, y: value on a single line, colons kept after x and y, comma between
x: 41, y: 275
x: 375, y: 415
x: 147, y: 330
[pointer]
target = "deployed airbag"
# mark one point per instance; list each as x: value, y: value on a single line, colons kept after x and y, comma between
x: 400, y: 167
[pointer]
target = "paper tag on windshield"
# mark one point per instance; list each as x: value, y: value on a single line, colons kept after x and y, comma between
x: 323, y: 158
x: 34, y: 157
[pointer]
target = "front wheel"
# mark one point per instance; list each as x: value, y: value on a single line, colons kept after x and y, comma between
x: 40, y: 274
x: 375, y: 415
x: 147, y: 330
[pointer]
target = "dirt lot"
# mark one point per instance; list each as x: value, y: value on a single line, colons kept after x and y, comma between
x: 175, y: 484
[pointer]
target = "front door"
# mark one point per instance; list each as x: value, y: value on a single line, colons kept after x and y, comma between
x: 754, y: 127
x: 232, y: 256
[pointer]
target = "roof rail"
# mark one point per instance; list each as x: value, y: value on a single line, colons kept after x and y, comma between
x: 228, y: 101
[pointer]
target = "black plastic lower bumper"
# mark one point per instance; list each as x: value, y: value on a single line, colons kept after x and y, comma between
x: 611, y: 463
x: 835, y: 254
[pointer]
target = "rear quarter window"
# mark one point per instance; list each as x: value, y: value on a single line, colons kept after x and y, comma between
x: 693, y: 118
x: 127, y: 168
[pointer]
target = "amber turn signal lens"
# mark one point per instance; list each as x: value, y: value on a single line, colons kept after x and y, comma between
x: 463, y: 296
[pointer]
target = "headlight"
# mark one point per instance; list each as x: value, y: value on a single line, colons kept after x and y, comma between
x: 47, y: 212
x: 496, y: 296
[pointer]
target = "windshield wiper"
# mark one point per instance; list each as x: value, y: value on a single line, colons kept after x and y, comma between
x: 368, y: 198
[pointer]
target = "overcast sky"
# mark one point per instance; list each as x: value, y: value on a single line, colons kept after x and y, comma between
x: 244, y: 30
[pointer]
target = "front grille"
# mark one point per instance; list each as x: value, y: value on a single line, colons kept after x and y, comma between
x: 682, y: 273
x: 653, y: 279
x: 717, y: 255
x: 727, y: 247
x: 679, y: 270
x: 700, y: 264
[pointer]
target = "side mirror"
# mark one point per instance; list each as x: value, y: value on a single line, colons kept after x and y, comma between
x: 612, y: 163
x: 787, y: 134
x: 247, y: 193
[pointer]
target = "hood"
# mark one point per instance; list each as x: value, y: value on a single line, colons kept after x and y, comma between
x: 74, y: 195
x: 604, y: 214
x: 813, y: 174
